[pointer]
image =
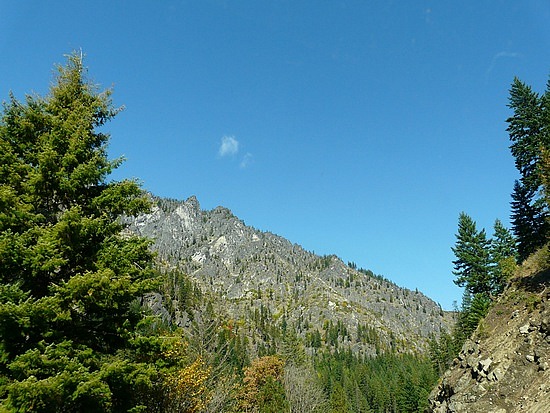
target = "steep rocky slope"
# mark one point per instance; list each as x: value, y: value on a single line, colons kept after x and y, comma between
x: 505, y: 367
x: 260, y: 275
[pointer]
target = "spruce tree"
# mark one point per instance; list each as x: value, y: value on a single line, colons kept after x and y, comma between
x: 529, y: 131
x: 472, y: 264
x: 529, y: 221
x: 503, y: 253
x: 70, y: 280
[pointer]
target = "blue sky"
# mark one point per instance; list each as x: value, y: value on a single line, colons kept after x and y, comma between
x: 356, y: 128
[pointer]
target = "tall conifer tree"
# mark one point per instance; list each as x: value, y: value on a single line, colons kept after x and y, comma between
x: 529, y: 221
x: 69, y: 280
x: 529, y: 130
x: 472, y: 264
x: 503, y: 253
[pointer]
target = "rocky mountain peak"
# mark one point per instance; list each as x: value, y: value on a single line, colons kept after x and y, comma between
x: 193, y: 202
x: 259, y: 274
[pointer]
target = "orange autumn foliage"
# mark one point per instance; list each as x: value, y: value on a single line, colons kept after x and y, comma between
x: 255, y: 377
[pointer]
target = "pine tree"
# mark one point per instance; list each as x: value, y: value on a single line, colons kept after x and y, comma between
x: 70, y: 281
x: 529, y: 221
x: 472, y: 264
x: 529, y: 131
x: 503, y: 254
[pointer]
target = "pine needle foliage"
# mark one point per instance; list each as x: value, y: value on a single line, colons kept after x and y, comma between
x: 70, y: 280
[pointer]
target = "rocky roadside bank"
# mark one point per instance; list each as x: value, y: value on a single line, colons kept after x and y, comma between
x: 505, y: 367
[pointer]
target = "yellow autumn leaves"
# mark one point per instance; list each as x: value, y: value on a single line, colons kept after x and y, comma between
x: 187, y: 388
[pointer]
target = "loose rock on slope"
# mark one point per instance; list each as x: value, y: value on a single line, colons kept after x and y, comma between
x: 506, y: 366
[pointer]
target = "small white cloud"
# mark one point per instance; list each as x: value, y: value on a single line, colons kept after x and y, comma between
x: 246, y: 160
x: 229, y: 146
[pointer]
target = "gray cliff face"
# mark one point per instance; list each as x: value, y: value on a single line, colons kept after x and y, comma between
x: 250, y: 271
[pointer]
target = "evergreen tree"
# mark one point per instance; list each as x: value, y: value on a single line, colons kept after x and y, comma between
x: 529, y: 131
x: 473, y: 313
x: 503, y: 256
x: 472, y: 264
x: 482, y: 267
x: 503, y: 244
x: 529, y: 221
x: 70, y: 281
x: 443, y: 350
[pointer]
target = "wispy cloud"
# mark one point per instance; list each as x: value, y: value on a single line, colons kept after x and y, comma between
x: 229, y: 146
x: 500, y: 55
x: 247, y: 159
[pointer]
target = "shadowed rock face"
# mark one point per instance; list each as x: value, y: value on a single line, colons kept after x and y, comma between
x: 505, y: 367
x: 249, y: 270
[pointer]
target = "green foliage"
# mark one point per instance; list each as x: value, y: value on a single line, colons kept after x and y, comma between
x: 529, y: 220
x: 443, y: 350
x: 503, y: 257
x: 271, y: 397
x: 389, y: 382
x: 483, y: 267
x: 69, y: 280
x: 472, y: 264
x: 292, y: 348
x: 474, y: 309
x: 529, y: 131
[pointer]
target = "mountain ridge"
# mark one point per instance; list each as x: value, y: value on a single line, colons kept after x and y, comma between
x: 254, y: 272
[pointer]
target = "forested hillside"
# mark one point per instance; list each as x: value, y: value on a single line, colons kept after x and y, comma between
x: 266, y: 281
x: 365, y: 337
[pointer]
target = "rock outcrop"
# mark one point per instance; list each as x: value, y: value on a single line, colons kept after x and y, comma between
x: 505, y: 367
x: 256, y: 274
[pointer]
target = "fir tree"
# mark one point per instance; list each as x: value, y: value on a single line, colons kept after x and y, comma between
x: 529, y: 221
x: 503, y: 254
x: 472, y: 264
x: 529, y: 131
x: 70, y: 281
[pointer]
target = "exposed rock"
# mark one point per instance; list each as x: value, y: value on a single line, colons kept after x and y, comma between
x: 155, y: 302
x: 507, y: 369
x: 250, y: 270
x: 484, y: 365
x: 496, y: 375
